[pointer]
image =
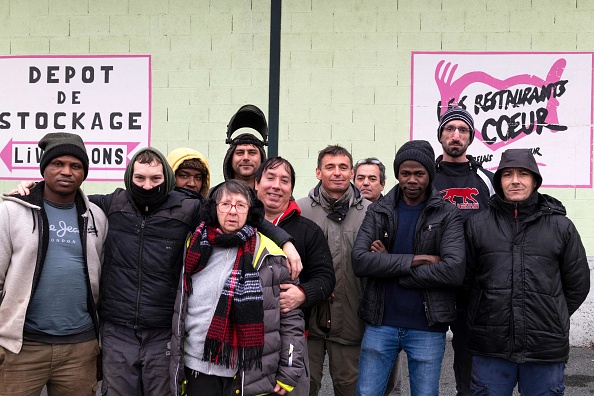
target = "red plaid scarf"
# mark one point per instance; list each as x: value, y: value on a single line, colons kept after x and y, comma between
x: 236, y: 332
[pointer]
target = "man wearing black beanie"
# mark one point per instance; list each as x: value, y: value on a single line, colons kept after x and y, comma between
x: 51, y: 253
x: 410, y: 249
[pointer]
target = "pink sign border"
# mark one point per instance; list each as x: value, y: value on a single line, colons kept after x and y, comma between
x: 99, y: 56
x: 412, y: 79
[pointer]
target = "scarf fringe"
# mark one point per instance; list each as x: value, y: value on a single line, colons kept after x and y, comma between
x: 224, y: 354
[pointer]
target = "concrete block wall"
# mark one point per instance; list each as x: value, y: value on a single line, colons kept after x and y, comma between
x: 345, y: 64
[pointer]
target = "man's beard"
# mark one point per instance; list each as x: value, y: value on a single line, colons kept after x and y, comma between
x: 456, y: 151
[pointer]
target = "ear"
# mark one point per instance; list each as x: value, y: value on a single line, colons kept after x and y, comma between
x: 318, y: 174
x: 352, y: 174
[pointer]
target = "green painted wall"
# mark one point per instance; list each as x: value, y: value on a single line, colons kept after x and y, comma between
x: 345, y: 74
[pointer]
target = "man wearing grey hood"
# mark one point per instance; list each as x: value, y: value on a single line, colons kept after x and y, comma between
x: 526, y: 273
x: 148, y: 225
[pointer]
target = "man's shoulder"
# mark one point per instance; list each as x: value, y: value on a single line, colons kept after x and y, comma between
x: 299, y: 223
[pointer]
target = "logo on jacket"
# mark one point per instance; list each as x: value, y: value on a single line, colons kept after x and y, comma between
x: 465, y: 195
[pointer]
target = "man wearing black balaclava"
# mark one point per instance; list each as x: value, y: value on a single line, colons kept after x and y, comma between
x: 148, y: 225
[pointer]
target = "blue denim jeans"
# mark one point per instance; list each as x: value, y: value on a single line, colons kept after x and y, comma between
x: 381, y: 345
x: 498, y: 377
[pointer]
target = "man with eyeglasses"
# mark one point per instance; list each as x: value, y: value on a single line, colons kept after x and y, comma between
x: 463, y: 182
x: 370, y: 178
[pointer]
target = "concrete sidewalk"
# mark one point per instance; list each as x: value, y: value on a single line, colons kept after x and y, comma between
x: 579, y: 374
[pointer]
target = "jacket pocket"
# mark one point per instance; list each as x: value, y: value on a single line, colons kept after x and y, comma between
x: 324, y: 317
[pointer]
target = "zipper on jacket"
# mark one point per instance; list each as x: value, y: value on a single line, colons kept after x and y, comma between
x: 139, y: 264
x: 90, y: 300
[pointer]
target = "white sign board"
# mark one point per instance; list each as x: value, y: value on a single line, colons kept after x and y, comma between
x: 104, y: 99
x: 540, y: 101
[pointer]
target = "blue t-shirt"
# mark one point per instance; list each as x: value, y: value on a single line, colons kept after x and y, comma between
x: 59, y: 305
x: 404, y: 307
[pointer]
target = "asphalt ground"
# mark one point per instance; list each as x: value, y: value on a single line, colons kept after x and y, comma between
x: 579, y: 375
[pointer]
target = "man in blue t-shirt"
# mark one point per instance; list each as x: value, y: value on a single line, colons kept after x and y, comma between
x: 51, y: 251
x: 411, y: 249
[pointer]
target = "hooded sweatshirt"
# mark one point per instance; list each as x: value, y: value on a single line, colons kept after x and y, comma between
x: 178, y: 156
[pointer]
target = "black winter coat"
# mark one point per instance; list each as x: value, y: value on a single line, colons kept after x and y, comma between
x: 317, y: 278
x: 525, y: 279
x: 143, y: 258
x: 439, y: 232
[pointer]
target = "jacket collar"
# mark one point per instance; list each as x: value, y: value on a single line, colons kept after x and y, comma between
x: 292, y: 210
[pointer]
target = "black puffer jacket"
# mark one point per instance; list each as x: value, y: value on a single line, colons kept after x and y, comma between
x: 143, y: 258
x: 438, y: 232
x: 526, y: 276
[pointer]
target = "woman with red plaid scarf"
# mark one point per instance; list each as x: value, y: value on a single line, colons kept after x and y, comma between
x: 229, y: 335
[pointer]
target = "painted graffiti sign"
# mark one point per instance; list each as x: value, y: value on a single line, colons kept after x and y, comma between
x: 540, y: 101
x: 104, y: 99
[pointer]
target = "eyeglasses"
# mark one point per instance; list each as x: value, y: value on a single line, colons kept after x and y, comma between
x: 452, y: 129
x: 369, y: 161
x: 225, y: 207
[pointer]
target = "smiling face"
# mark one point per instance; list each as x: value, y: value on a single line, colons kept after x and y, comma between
x: 455, y: 139
x: 367, y: 180
x: 335, y: 173
x: 232, y: 221
x: 63, y: 177
x: 274, y: 190
x: 413, y: 179
x: 518, y: 184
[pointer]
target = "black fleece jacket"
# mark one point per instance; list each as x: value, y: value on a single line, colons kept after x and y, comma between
x: 317, y: 278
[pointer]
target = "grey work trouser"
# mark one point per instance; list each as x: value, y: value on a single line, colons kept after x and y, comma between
x: 135, y: 362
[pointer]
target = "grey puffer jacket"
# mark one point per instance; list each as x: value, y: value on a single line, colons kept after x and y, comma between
x: 346, y: 327
x: 284, y: 340
x: 439, y: 231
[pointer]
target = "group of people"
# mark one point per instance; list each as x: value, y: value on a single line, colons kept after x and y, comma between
x: 178, y: 288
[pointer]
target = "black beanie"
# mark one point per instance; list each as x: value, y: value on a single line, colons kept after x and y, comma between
x: 456, y: 113
x: 416, y: 150
x: 60, y: 143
